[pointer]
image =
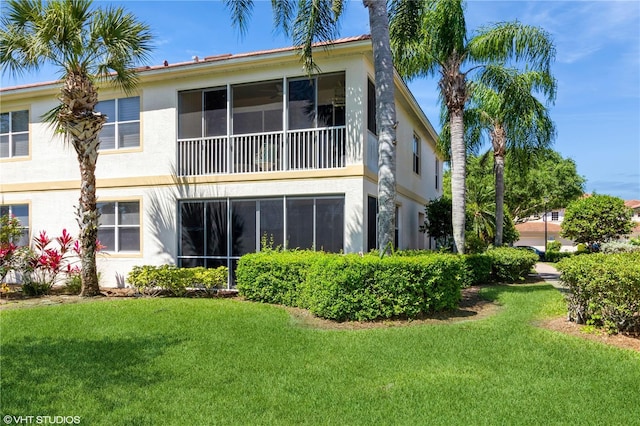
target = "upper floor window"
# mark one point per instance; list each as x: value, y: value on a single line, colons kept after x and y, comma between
x: 437, y: 173
x: 257, y: 107
x: 122, y: 129
x: 371, y: 108
x: 119, y: 229
x: 21, y: 212
x: 14, y: 134
x: 555, y: 216
x: 416, y: 154
x: 202, y: 113
x: 316, y: 102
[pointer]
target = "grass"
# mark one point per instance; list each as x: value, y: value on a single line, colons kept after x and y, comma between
x: 204, y: 361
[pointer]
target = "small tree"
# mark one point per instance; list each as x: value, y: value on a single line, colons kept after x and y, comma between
x: 596, y: 219
x: 438, y: 223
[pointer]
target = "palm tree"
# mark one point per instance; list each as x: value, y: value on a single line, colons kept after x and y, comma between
x: 504, y: 103
x: 311, y: 21
x: 87, y: 46
x: 431, y: 38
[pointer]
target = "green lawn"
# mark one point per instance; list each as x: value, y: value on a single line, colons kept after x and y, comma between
x: 204, y: 361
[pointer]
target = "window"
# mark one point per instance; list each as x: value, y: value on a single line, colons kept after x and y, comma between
x: 371, y: 108
x: 554, y: 216
x: 14, y: 134
x: 208, y: 238
x: 317, y: 102
x: 416, y: 154
x: 372, y: 223
x: 122, y: 129
x: 437, y: 173
x: 21, y: 212
x: 119, y: 229
x: 315, y: 223
x: 257, y: 107
x: 202, y: 113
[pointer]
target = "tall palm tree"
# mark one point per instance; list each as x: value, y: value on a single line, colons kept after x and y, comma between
x: 432, y: 38
x: 505, y: 104
x: 311, y: 21
x: 87, y: 46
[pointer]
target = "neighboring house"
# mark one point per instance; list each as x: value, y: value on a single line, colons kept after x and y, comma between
x: 635, y: 206
x: 211, y: 157
x: 532, y: 232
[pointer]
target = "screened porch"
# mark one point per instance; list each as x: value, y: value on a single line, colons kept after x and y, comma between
x: 277, y: 125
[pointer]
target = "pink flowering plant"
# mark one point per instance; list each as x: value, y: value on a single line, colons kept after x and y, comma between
x: 49, y: 262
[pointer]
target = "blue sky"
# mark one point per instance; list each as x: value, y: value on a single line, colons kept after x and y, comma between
x: 597, y: 110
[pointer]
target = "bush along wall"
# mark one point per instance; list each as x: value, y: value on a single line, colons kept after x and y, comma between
x: 169, y: 280
x: 604, y: 290
x: 353, y: 287
x: 274, y: 276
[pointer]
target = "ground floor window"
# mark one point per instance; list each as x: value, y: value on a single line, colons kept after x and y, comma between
x: 217, y: 232
x: 20, y: 212
x: 372, y: 225
x: 119, y: 229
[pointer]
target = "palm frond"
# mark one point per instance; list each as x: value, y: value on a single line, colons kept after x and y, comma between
x: 513, y: 41
x: 283, y: 14
x: 241, y: 11
x: 315, y: 21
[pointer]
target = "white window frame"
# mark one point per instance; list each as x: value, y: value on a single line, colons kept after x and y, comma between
x: 116, y: 226
x: 24, y: 239
x: 10, y: 134
x: 116, y: 123
x: 416, y: 158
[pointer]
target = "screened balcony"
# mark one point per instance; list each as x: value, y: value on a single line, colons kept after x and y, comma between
x: 278, y: 125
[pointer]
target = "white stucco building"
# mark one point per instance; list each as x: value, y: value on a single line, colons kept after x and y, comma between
x: 211, y: 155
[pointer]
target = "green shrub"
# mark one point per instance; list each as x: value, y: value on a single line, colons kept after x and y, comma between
x: 556, y: 256
x: 604, y: 290
x: 511, y: 264
x: 478, y: 269
x: 173, y: 281
x: 73, y: 284
x: 274, y: 276
x: 352, y: 287
x: 553, y: 246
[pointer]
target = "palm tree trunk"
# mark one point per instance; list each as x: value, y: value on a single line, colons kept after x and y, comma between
x: 386, y: 117
x: 88, y: 221
x: 458, y: 176
x: 498, y: 140
x: 82, y: 126
x: 499, y: 172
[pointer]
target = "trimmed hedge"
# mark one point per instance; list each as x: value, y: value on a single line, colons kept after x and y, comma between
x: 353, y: 287
x: 510, y: 264
x: 604, y: 290
x: 478, y: 268
x: 173, y: 281
x: 368, y: 288
x: 274, y: 276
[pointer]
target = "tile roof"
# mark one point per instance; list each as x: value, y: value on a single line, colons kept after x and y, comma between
x: 634, y: 204
x: 537, y: 227
x: 217, y: 58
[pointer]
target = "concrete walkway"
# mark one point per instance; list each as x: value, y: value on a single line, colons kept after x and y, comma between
x: 551, y: 275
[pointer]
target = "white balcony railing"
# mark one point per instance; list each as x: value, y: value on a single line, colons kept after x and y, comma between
x: 262, y: 152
